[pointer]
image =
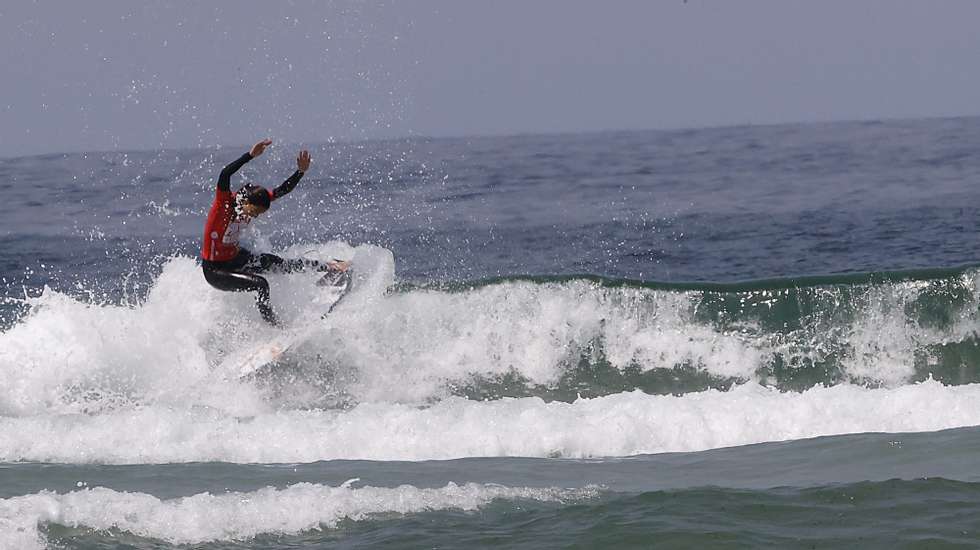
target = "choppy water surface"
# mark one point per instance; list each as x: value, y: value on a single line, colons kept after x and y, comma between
x: 704, y: 338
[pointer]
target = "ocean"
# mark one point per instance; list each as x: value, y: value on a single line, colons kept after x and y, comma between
x: 714, y: 338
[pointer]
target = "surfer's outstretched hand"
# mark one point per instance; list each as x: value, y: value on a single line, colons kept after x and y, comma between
x: 303, y: 161
x: 259, y: 147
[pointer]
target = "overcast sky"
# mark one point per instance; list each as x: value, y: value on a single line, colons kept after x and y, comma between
x: 105, y: 75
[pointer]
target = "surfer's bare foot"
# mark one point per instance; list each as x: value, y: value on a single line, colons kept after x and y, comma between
x: 338, y: 265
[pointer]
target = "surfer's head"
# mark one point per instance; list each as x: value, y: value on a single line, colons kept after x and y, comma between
x: 252, y: 200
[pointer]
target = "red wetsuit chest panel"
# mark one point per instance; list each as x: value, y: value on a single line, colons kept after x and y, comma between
x: 222, y: 230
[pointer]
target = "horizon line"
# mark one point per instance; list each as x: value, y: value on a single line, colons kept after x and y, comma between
x: 502, y: 135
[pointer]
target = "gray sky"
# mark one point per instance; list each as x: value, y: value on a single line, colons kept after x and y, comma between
x: 105, y: 75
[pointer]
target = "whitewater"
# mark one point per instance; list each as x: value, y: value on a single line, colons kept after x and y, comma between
x: 139, y: 384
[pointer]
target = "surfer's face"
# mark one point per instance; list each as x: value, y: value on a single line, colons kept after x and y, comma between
x: 252, y: 210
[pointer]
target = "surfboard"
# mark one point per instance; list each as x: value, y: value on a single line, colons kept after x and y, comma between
x: 245, y: 362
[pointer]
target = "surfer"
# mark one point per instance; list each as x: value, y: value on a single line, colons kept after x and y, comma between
x: 229, y: 266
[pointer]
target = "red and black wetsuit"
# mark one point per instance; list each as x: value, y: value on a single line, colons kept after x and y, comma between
x: 228, y: 266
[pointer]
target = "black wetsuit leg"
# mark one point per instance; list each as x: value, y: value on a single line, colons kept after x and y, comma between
x: 235, y: 275
x: 271, y: 262
x: 241, y: 275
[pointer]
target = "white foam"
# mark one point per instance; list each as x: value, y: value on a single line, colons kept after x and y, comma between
x: 239, y: 516
x: 617, y: 425
x: 70, y: 356
x: 81, y: 382
x: 406, y: 347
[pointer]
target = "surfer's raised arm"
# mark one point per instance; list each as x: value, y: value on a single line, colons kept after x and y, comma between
x: 224, y: 179
x: 302, y: 165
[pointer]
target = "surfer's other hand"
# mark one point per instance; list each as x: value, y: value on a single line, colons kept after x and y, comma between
x: 303, y: 161
x: 259, y: 147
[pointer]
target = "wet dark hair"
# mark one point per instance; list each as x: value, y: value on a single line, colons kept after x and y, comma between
x: 254, y: 194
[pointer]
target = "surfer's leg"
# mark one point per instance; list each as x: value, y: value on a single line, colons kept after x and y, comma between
x: 236, y: 281
x: 271, y: 262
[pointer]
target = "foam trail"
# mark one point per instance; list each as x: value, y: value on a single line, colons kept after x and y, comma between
x: 623, y: 424
x: 240, y: 516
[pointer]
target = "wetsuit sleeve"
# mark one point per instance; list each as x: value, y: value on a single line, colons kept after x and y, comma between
x: 224, y: 180
x: 287, y: 185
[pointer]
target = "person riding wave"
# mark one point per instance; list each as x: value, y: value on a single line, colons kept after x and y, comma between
x: 231, y: 267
